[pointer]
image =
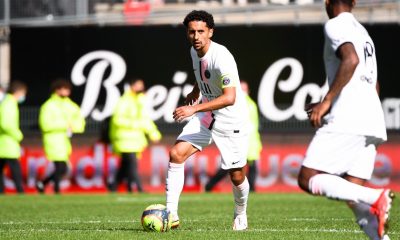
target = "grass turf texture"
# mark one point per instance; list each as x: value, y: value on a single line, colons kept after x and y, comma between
x: 203, y: 216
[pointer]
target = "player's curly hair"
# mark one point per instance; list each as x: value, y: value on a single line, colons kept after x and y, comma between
x: 199, y: 15
x: 346, y: 2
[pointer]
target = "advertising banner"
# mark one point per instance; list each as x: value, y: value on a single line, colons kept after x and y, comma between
x: 283, y: 65
x: 91, y: 168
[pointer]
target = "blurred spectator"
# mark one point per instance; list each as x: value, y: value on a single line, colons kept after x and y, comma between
x: 129, y: 126
x: 10, y: 133
x: 42, y: 8
x: 255, y: 145
x: 59, y: 118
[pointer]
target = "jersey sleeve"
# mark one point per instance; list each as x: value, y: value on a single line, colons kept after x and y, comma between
x: 338, y: 32
x: 227, y: 70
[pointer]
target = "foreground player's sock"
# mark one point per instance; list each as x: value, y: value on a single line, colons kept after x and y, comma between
x: 241, y: 194
x: 174, y: 186
x: 365, y: 219
x: 335, y: 187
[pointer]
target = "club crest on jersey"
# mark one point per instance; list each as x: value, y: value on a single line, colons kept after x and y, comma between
x: 226, y: 81
x: 207, y: 74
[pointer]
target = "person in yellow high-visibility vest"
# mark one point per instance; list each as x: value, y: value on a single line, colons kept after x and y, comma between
x: 255, y: 145
x: 130, y: 126
x: 59, y: 117
x: 10, y: 133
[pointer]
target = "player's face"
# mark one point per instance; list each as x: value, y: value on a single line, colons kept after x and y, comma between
x: 199, y: 36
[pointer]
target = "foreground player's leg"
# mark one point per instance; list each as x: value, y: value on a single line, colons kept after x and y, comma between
x: 176, y: 177
x: 174, y: 186
x: 335, y: 187
x: 241, y: 190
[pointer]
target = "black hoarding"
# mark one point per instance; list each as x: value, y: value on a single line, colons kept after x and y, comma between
x: 283, y: 65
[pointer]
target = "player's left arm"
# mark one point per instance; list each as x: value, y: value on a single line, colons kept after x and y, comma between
x: 227, y: 98
x: 349, y: 61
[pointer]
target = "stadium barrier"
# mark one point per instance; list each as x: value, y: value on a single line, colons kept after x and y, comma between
x: 90, y: 168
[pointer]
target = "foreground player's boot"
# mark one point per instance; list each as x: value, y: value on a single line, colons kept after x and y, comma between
x: 240, y: 222
x: 174, y: 221
x: 369, y: 224
x: 381, y: 210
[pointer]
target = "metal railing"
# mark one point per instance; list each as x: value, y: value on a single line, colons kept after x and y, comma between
x: 75, y: 12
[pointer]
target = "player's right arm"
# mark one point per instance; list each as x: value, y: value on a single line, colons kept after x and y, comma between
x: 348, y: 64
x: 340, y: 36
x: 378, y: 90
x: 226, y: 99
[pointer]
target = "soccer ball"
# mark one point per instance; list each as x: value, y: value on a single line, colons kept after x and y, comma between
x: 156, y: 218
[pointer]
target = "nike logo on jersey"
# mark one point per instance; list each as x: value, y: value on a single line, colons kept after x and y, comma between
x: 233, y: 163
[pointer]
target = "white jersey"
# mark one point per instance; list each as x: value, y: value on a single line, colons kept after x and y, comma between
x: 357, y: 109
x: 215, y: 71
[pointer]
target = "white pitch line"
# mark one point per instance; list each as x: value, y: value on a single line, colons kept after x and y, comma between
x: 307, y: 230
x: 79, y: 222
x: 203, y: 230
x: 316, y: 219
x: 55, y: 230
x: 66, y: 222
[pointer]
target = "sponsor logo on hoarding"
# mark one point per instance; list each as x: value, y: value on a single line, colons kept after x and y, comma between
x: 162, y: 101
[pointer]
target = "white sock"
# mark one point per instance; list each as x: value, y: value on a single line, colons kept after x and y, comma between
x: 241, y: 194
x: 174, y: 185
x: 335, y: 187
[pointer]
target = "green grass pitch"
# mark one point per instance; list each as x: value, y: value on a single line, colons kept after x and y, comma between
x: 203, y: 216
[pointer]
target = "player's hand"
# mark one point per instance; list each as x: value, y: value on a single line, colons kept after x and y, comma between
x: 192, y: 98
x: 316, y: 111
x: 183, y: 112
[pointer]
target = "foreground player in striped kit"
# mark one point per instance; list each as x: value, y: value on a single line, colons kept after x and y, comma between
x: 340, y: 158
x: 222, y: 117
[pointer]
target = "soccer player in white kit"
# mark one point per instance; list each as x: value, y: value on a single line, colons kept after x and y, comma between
x: 220, y: 117
x: 341, y: 156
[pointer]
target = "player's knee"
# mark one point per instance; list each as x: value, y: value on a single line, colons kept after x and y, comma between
x: 303, y: 180
x: 175, y: 156
x: 237, y: 177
